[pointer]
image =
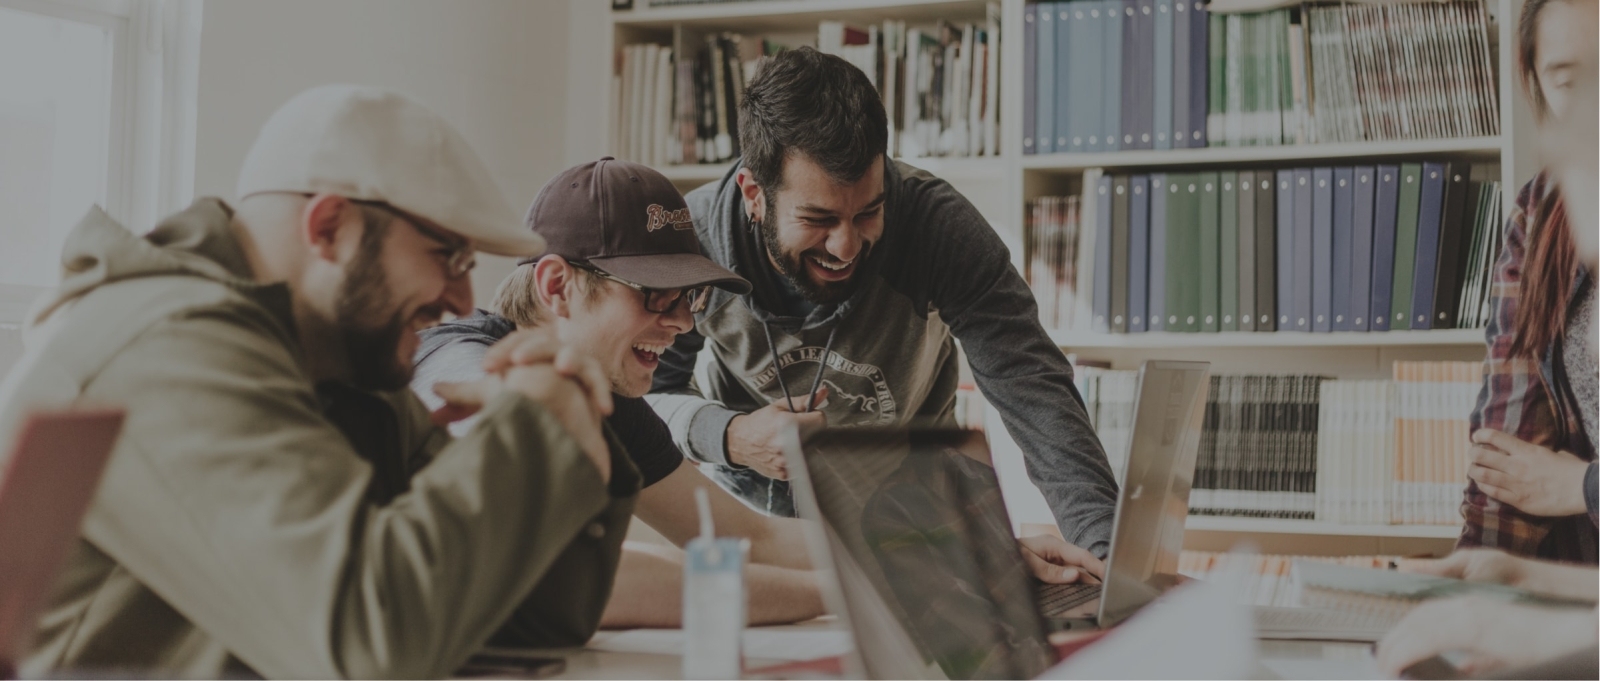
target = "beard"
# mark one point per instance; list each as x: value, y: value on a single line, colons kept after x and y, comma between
x: 372, y: 349
x: 793, y: 267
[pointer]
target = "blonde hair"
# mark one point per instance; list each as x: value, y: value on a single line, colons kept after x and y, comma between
x: 517, y: 299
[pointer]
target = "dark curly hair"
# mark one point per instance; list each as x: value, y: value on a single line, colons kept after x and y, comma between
x: 813, y: 104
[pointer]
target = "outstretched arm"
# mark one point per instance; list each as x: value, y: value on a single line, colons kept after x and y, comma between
x: 648, y: 591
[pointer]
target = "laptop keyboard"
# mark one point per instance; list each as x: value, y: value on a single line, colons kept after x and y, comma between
x: 1057, y: 599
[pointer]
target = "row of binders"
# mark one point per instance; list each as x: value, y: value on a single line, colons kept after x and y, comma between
x: 1112, y: 75
x: 1107, y: 75
x: 940, y: 87
x: 1310, y: 448
x: 1366, y: 248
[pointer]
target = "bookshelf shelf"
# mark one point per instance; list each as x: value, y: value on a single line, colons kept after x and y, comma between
x: 788, y: 14
x: 948, y: 168
x: 1280, y: 526
x: 701, y: 172
x: 1476, y: 146
x: 1283, y: 339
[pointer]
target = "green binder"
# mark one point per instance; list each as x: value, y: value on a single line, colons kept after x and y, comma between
x: 1405, y: 246
x: 1180, y: 252
x: 1229, y: 275
x: 1210, y: 250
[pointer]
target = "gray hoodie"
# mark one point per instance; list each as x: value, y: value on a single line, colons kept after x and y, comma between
x: 939, y: 273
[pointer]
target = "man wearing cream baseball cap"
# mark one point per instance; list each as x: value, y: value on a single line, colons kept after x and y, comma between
x: 278, y: 503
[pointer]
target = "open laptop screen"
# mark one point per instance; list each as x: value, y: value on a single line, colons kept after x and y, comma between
x: 918, y: 514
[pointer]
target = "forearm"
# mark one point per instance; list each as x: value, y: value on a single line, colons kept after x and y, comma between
x: 648, y: 592
x: 1561, y: 579
x: 781, y: 544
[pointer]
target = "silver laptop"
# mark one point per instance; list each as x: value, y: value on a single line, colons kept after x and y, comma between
x: 927, y: 574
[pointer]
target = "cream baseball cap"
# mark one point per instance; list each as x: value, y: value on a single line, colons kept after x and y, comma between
x: 372, y: 144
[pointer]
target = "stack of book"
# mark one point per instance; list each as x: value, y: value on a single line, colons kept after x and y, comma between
x: 940, y: 88
x: 1401, y: 71
x: 1397, y: 451
x: 1305, y: 447
x: 1364, y: 248
x: 1271, y: 576
x: 1258, y: 451
x: 1112, y: 75
x: 1053, y: 237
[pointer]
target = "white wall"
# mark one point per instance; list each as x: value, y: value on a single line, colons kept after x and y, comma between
x: 493, y: 68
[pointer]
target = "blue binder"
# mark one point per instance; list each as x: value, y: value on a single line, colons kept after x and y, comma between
x: 1110, y: 82
x: 1030, y: 76
x: 1163, y: 68
x: 1044, y: 136
x: 1285, y: 264
x: 1429, y: 215
x: 1179, y: 36
x: 1102, y: 256
x: 1386, y: 212
x: 1303, y: 250
x: 1365, y: 186
x: 1322, y: 250
x: 1138, y: 252
x: 1343, y: 232
x: 1067, y: 62
x: 1199, y: 26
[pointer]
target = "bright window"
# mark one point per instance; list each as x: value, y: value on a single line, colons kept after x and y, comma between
x: 97, y: 102
x: 55, y: 126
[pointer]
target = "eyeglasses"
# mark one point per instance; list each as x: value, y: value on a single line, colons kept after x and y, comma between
x: 657, y: 301
x: 459, y: 258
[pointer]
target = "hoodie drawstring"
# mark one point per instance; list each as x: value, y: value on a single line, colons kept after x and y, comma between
x: 777, y: 371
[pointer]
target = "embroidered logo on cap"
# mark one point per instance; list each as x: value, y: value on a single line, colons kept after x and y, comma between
x: 660, y: 217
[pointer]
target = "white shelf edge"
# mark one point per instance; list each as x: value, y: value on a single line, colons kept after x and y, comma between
x: 1206, y: 523
x: 758, y: 9
x: 1290, y: 152
x: 942, y: 166
x: 1077, y: 340
x: 694, y: 171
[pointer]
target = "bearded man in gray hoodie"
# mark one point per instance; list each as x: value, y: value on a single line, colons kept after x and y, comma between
x: 865, y: 273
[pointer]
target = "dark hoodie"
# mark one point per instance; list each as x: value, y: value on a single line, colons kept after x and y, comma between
x: 939, y: 274
x: 454, y: 351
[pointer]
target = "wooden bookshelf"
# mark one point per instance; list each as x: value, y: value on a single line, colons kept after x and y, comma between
x: 1002, y: 186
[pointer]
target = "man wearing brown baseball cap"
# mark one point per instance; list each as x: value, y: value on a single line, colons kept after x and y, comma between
x: 277, y: 506
x: 622, y: 274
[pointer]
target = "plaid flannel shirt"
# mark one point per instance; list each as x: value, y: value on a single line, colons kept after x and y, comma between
x: 1532, y: 401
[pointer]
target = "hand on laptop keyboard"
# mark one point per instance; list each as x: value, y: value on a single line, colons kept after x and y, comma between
x: 1055, y: 561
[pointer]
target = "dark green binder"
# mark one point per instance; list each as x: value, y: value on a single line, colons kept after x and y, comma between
x: 1210, y: 250
x: 1405, y: 246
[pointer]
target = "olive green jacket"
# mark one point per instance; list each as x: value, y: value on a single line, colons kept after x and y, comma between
x: 252, y: 523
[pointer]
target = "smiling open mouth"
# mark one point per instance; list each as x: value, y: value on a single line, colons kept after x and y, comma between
x: 648, y: 354
x: 830, y: 270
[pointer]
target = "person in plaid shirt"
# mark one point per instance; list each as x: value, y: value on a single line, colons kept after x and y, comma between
x: 1533, y: 480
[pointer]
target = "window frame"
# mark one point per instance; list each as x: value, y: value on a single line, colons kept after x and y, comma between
x: 154, y: 100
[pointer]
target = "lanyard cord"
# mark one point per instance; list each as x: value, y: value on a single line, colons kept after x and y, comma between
x: 816, y: 382
x: 827, y: 349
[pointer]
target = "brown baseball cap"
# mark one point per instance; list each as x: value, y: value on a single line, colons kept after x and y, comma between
x: 628, y: 221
